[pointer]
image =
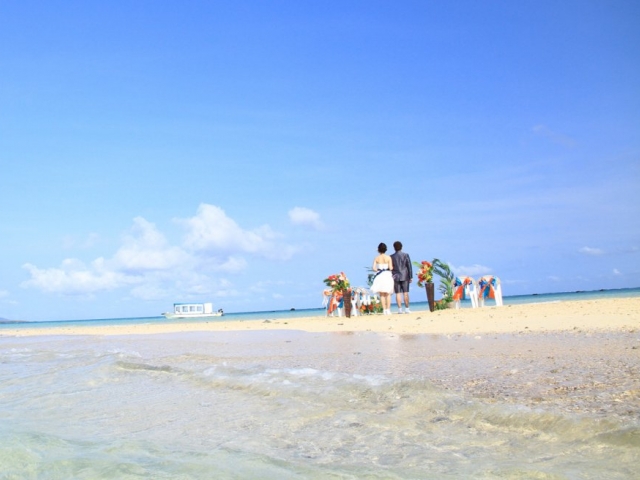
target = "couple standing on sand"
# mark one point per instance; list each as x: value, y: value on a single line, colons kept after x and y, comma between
x: 393, y: 274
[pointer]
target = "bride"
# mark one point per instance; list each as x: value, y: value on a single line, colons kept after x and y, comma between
x: 383, y: 281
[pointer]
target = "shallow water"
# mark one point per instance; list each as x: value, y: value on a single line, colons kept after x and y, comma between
x: 297, y: 405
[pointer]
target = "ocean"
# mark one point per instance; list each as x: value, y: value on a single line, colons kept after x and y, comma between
x: 295, y: 405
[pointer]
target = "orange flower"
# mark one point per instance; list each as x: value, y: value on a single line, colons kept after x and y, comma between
x: 425, y: 274
x: 337, y: 282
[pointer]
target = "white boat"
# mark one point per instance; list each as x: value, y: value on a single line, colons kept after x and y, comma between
x: 193, y: 310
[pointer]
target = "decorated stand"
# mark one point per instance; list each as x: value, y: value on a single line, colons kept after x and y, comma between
x: 347, y: 302
x: 489, y: 287
x: 338, y: 296
x: 425, y: 279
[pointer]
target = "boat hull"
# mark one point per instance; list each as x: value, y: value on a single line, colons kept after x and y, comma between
x: 191, y: 315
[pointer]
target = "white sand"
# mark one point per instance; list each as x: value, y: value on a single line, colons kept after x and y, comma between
x: 579, y: 316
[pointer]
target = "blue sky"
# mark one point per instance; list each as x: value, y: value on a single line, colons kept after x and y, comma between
x: 240, y: 152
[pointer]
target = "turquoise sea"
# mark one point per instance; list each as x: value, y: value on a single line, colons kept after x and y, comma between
x: 294, y: 405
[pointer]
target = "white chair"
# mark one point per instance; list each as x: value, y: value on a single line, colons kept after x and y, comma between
x: 356, y: 301
x: 332, y: 302
x: 489, y: 287
x: 369, y: 298
x: 465, y: 287
x: 362, y: 296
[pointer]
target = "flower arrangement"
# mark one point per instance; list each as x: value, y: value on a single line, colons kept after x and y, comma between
x: 337, y: 282
x: 425, y: 274
x: 442, y: 304
x: 374, y: 307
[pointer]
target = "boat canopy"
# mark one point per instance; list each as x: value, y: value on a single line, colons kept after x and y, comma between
x: 193, y: 308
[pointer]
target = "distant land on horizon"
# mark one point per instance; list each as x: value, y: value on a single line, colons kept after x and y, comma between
x: 6, y: 320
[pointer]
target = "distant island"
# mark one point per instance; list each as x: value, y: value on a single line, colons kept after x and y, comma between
x: 6, y: 320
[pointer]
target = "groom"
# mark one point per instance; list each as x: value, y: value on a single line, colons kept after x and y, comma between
x: 402, y: 275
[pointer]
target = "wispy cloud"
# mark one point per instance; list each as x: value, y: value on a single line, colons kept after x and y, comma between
x: 5, y: 298
x: 474, y: 270
x: 555, y: 137
x: 591, y: 251
x: 69, y: 242
x: 305, y: 216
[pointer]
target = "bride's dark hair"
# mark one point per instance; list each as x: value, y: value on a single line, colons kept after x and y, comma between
x: 382, y: 248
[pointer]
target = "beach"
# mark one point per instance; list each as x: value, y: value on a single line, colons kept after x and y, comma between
x: 583, y: 315
x: 549, y: 390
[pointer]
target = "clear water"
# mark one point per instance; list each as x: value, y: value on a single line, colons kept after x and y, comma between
x: 293, y: 405
x: 280, y: 405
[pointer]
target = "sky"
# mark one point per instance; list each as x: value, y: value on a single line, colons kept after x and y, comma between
x: 240, y: 152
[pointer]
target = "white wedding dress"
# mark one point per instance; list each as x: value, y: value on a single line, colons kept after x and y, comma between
x: 383, y: 281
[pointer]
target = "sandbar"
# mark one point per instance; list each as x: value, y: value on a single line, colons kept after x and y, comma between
x: 618, y: 314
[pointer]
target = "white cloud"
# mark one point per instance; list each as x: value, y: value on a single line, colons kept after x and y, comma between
x: 152, y: 268
x: 149, y: 291
x: 211, y: 230
x: 265, y: 286
x: 74, y: 278
x: 147, y: 249
x: 138, y: 263
x: 474, y: 270
x: 617, y: 272
x: 227, y: 293
x: 305, y: 216
x: 591, y: 251
x: 233, y: 265
x: 4, y: 297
